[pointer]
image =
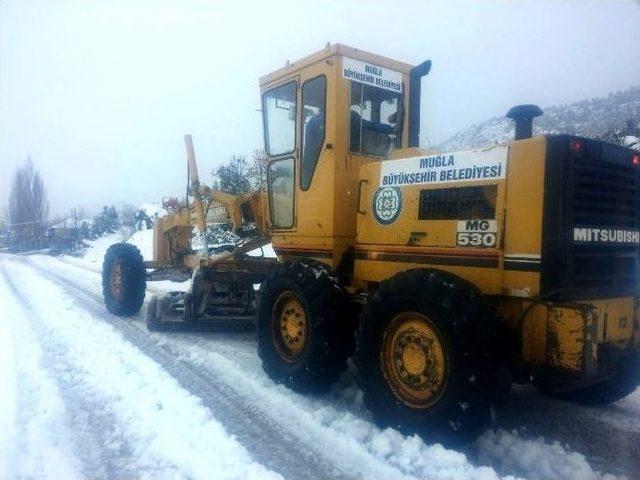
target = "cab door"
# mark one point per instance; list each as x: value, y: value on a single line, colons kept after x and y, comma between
x: 301, y: 169
x: 280, y: 114
x: 315, y: 181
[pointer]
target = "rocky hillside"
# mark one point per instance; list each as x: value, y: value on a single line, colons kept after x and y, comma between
x: 615, y: 117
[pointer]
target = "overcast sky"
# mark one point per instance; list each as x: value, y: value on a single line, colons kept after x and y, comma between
x: 100, y: 93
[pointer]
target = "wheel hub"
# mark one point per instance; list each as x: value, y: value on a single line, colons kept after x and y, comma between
x: 290, y: 326
x: 413, y: 360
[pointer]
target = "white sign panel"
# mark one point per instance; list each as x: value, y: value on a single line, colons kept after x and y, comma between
x: 371, y: 74
x: 465, y: 166
x: 476, y: 233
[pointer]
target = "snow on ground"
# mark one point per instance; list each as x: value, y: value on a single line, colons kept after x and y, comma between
x: 346, y: 419
x: 36, y: 441
x: 356, y: 444
x: 153, y: 210
x: 93, y: 256
x: 159, y: 430
x: 8, y: 386
x: 266, y: 251
x: 540, y: 459
x: 144, y: 241
x: 71, y: 222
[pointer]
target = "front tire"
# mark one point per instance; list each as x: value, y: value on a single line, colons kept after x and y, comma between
x: 303, y: 336
x: 424, y: 356
x: 123, y: 279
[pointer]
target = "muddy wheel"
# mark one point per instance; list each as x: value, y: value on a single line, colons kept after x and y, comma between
x: 123, y: 279
x: 424, y: 356
x: 303, y: 335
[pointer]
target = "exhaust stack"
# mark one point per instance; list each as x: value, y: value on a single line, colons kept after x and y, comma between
x: 415, y: 77
x: 523, y: 115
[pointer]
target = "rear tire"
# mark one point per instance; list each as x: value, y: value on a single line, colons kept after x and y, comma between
x: 303, y: 336
x: 426, y: 356
x: 123, y: 279
x: 623, y: 383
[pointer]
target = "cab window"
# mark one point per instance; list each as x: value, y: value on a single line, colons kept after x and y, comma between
x: 314, y: 94
x: 375, y: 120
x: 279, y: 114
x: 280, y: 180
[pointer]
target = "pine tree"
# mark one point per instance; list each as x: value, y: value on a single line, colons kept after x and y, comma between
x: 106, y: 221
x: 233, y: 177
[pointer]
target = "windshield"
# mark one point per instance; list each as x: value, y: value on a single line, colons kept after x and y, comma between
x: 376, y: 120
x: 279, y: 108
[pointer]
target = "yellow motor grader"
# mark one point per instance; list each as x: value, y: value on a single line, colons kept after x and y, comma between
x: 445, y: 275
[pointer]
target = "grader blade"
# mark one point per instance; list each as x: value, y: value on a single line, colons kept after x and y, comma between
x: 169, y: 311
x: 175, y: 311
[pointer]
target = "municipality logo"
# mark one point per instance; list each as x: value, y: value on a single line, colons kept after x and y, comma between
x: 387, y: 203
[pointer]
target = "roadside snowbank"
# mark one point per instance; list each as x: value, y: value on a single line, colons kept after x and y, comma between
x: 93, y: 256
x: 537, y: 459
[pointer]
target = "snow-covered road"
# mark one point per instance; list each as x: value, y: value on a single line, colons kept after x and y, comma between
x: 89, y: 395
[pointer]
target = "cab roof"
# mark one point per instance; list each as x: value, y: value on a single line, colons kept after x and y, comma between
x: 329, y: 51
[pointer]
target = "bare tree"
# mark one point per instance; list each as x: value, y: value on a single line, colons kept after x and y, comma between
x: 28, y: 207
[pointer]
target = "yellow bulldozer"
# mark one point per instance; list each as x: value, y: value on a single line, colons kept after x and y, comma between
x: 446, y: 276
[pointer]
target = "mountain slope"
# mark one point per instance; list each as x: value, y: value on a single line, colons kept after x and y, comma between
x: 613, y: 118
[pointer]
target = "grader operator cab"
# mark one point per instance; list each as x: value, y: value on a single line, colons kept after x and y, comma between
x: 445, y: 275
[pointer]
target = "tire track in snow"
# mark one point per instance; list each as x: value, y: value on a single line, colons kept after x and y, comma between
x: 35, y: 442
x: 269, y: 444
x: 156, y: 452
x: 104, y: 451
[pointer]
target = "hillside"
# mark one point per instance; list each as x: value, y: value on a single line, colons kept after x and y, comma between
x: 614, y: 117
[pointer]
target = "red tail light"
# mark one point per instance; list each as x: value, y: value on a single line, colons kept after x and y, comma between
x: 575, y: 145
x: 636, y: 159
